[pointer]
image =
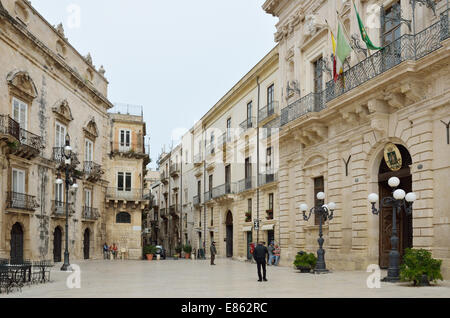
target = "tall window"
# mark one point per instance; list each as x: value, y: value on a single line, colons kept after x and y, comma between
x: 391, y: 27
x: 18, y: 181
x: 228, y: 129
x: 20, y: 110
x: 125, y: 140
x: 228, y: 179
x: 319, y: 186
x: 210, y: 185
x: 271, y: 201
x: 248, y: 168
x: 60, y: 135
x: 249, y: 114
x: 249, y: 205
x: 269, y: 160
x: 87, y: 198
x: 199, y: 190
x: 59, y: 194
x: 124, y: 181
x: 318, y: 75
x: 88, y: 150
x: 270, y: 99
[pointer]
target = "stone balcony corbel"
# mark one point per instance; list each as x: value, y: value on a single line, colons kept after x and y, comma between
x: 379, y: 122
x: 413, y: 91
x: 395, y: 99
x: 320, y: 129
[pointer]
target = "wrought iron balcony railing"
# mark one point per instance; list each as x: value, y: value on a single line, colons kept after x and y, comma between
x: 268, y: 177
x: 92, y: 170
x: 9, y: 126
x: 267, y: 111
x: 59, y: 208
x: 312, y: 102
x: 164, y: 177
x: 127, y: 194
x: 196, y: 200
x: 224, y: 189
x: 21, y: 201
x: 198, y: 158
x: 131, y: 148
x: 246, y: 184
x: 31, y: 140
x: 407, y: 47
x: 90, y: 213
x: 208, y: 196
x: 174, y: 209
x: 248, y: 124
x: 174, y: 169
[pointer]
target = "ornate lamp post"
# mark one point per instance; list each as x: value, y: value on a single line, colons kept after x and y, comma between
x: 398, y: 201
x: 325, y: 213
x: 70, y: 180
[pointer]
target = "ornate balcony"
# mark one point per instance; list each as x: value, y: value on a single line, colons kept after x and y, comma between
x: 223, y: 190
x: 268, y: 177
x: 267, y: 113
x: 164, y: 178
x: 90, y: 214
x: 21, y: 201
x: 174, y: 170
x: 138, y: 150
x: 30, y: 145
x: 196, y: 201
x: 174, y: 209
x: 208, y: 196
x: 124, y: 194
x: 163, y: 213
x: 313, y: 102
x: 198, y: 159
x: 92, y: 171
x: 246, y: 184
x: 9, y: 129
x: 59, y: 209
x: 248, y: 124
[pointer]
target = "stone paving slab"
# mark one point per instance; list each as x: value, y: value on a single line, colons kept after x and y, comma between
x: 228, y: 279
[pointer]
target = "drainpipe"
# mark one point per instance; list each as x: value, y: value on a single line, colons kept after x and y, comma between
x: 257, y: 159
x: 204, y: 192
x: 181, y: 196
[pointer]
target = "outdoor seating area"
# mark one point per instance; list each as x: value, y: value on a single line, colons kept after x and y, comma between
x: 15, y: 275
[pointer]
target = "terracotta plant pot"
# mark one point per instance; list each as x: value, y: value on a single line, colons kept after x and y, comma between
x: 149, y: 257
x: 188, y: 256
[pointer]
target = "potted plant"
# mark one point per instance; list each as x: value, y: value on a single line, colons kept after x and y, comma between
x: 305, y: 262
x: 149, y: 251
x: 248, y: 216
x: 177, y: 252
x: 187, y: 251
x: 420, y: 267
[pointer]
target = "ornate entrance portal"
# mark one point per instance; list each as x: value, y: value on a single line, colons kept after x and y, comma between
x: 404, y: 222
x: 16, y: 244
x: 57, y: 243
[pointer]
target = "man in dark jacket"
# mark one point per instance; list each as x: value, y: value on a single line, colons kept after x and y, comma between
x: 260, y: 255
x: 213, y: 252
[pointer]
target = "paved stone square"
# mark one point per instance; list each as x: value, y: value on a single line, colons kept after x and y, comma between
x: 195, y: 279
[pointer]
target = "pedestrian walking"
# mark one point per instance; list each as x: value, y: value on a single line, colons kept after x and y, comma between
x: 213, y: 252
x: 260, y: 255
x: 277, y: 253
x: 271, y: 248
x: 115, y: 250
x: 105, y: 251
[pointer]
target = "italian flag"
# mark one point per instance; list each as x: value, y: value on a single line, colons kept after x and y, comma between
x: 341, y: 50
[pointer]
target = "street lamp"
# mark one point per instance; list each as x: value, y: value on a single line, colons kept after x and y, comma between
x: 325, y: 212
x: 70, y: 180
x: 398, y: 201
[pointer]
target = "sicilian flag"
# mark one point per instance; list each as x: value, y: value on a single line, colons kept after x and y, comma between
x: 342, y: 51
x: 363, y: 31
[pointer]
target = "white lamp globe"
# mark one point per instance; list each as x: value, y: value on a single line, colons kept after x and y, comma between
x: 394, y: 182
x: 332, y: 206
x: 303, y: 207
x: 325, y: 206
x: 373, y: 198
x: 59, y: 181
x: 75, y: 186
x: 320, y: 196
x: 411, y: 197
x: 399, y: 194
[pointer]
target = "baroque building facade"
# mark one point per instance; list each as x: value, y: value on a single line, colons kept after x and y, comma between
x: 330, y: 137
x: 47, y: 91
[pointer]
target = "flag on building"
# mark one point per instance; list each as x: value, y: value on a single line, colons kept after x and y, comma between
x: 363, y: 31
x: 343, y: 50
x: 335, y: 73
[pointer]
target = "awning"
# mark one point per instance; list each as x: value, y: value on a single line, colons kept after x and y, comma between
x: 268, y: 227
x: 247, y: 229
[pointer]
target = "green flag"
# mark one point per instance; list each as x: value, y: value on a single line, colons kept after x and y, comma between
x: 343, y: 49
x: 364, y: 35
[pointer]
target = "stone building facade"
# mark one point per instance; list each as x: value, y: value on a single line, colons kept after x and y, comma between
x: 333, y: 135
x: 49, y: 90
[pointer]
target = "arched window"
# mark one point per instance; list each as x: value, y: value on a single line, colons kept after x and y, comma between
x: 123, y: 217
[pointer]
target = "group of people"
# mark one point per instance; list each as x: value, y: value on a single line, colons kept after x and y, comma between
x: 260, y: 254
x: 110, y: 252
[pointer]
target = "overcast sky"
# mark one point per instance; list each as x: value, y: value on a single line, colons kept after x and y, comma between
x: 176, y: 58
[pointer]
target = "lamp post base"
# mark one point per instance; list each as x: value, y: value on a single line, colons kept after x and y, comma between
x: 321, y: 271
x: 66, y: 268
x: 389, y: 279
